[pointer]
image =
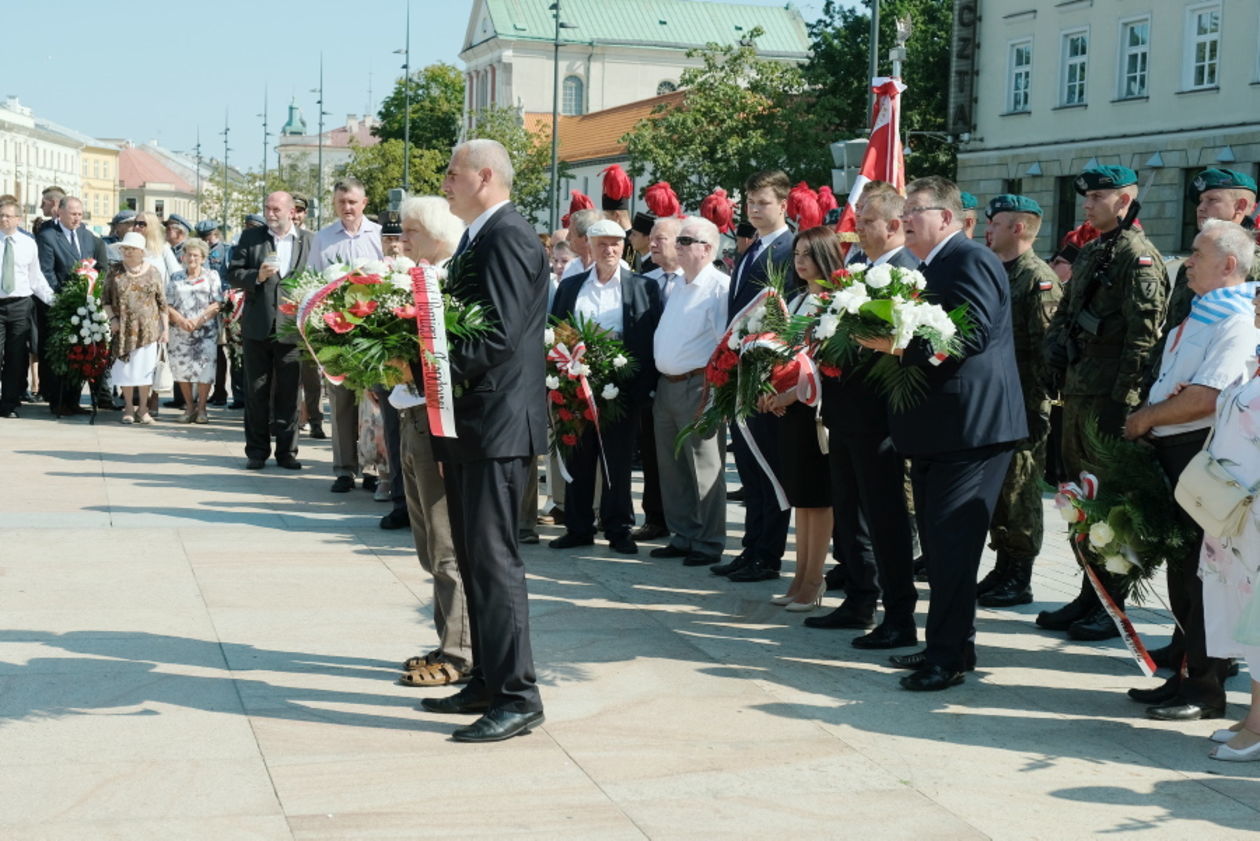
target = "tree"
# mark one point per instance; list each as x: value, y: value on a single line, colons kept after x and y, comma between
x: 437, y: 106
x: 739, y: 114
x: 380, y: 168
x: 838, y: 73
x: 530, y: 154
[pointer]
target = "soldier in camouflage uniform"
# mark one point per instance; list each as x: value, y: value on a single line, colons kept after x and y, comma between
x: 1017, y: 526
x: 1100, y: 342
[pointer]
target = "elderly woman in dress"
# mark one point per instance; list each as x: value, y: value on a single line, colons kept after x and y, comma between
x: 430, y: 233
x: 135, y: 302
x: 193, y: 297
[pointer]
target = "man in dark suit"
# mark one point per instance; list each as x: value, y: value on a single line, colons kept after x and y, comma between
x: 62, y: 244
x: 960, y: 434
x: 500, y: 425
x: 263, y: 257
x: 628, y: 305
x: 868, y: 489
x: 768, y: 257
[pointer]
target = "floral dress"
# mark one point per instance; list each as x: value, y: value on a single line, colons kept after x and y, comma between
x: 192, y: 355
x: 1230, y: 567
x: 139, y: 303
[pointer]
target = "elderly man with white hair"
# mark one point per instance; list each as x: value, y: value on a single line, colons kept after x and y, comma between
x: 693, y: 488
x: 1203, y: 354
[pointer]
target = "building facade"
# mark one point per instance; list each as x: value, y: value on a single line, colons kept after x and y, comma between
x: 147, y: 183
x: 1040, y: 91
x: 34, y: 157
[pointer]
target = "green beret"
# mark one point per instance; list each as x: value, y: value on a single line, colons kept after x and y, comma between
x: 969, y: 202
x: 1105, y: 178
x: 1222, y: 179
x: 1013, y: 203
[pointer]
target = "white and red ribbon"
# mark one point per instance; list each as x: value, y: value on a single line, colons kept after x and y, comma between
x: 308, y: 305
x: 571, y: 365
x: 439, y: 395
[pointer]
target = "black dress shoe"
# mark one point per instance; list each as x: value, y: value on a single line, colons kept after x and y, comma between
x: 918, y: 660
x: 461, y: 703
x: 736, y: 495
x: 885, y: 637
x: 396, y: 519
x: 369, y: 483
x: 317, y: 432
x: 758, y: 570
x: 1159, y: 695
x: 699, y: 559
x: 844, y: 616
x: 570, y: 541
x: 342, y: 485
x: 931, y: 679
x: 255, y: 463
x: 623, y: 545
x: 668, y: 551
x: 650, y: 531
x: 218, y: 401
x: 1179, y: 709
x: 1098, y: 625
x: 737, y: 563
x: 237, y: 404
x: 497, y: 725
x: 290, y: 463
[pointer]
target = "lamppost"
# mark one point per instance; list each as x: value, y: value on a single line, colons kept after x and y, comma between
x: 225, y: 166
x: 873, y: 69
x: 197, y: 152
x: 319, y: 153
x: 897, y: 54
x: 555, y: 115
x: 406, y: 53
x: 265, y: 136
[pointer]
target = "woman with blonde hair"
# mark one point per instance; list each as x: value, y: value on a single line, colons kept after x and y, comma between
x: 156, y: 249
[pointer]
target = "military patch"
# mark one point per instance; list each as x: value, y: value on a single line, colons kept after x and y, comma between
x: 1146, y: 262
x: 1045, y: 285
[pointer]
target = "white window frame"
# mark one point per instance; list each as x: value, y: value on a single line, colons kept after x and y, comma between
x: 1125, y: 51
x: 1193, y: 40
x: 579, y: 107
x: 1013, y: 71
x: 1066, y: 64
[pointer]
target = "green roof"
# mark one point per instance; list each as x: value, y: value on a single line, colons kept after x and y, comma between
x: 678, y: 24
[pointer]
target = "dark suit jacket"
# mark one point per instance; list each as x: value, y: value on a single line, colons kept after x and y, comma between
x: 974, y: 401
x: 258, y: 319
x: 641, y: 309
x: 56, y: 258
x: 755, y: 276
x: 850, y: 404
x: 502, y: 412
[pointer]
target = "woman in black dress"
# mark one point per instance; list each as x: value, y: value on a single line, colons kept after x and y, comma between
x: 806, y: 476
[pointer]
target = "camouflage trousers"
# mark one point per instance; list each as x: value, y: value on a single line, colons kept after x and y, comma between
x: 1077, y: 410
x: 1018, y: 525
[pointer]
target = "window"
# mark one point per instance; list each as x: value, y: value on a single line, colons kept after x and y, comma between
x: 1075, y: 61
x: 665, y: 87
x: 1135, y: 52
x: 1014, y: 186
x: 1203, y: 34
x: 1020, y: 76
x: 159, y: 207
x: 573, y: 100
x: 1065, y: 206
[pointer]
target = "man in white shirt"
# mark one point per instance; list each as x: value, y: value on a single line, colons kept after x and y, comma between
x: 351, y: 238
x: 1207, y: 351
x: 20, y: 279
x: 693, y: 487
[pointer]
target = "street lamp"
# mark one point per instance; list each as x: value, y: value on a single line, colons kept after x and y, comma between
x: 265, y: 136
x: 319, y: 149
x: 555, y: 115
x: 225, y: 166
x: 406, y: 53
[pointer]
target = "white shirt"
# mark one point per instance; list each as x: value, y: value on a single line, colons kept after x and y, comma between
x: 334, y: 244
x: 71, y: 238
x: 887, y: 255
x: 284, y: 248
x: 480, y: 221
x: 1211, y: 355
x: 667, y: 282
x: 601, y: 302
x: 927, y: 261
x: 576, y: 266
x: 692, y: 324
x: 27, y: 278
x: 766, y: 242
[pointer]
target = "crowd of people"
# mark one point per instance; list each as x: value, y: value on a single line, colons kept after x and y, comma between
x: 1098, y: 333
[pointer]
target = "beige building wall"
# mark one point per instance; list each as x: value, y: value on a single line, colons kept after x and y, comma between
x: 1184, y: 118
x: 100, y: 186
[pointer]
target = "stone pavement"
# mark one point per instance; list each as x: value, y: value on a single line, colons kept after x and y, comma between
x: 192, y: 651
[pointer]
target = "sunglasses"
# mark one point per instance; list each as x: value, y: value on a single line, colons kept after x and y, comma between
x: 139, y: 224
x: 685, y: 241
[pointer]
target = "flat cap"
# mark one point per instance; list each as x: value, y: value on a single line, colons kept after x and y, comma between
x: 1009, y: 202
x: 122, y: 216
x: 205, y: 226
x: 1222, y: 179
x: 1105, y: 178
x: 255, y: 219
x: 300, y: 201
x: 605, y: 228
x: 176, y: 219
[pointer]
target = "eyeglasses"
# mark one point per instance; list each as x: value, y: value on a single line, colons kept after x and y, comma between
x: 685, y: 241
x: 139, y: 224
x: 914, y: 210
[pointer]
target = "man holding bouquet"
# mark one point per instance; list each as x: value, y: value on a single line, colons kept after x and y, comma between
x: 959, y: 436
x: 500, y: 425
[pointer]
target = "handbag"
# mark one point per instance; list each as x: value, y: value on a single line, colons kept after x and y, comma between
x: 1212, y: 496
x: 163, y: 379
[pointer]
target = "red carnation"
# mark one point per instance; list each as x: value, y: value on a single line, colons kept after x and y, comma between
x: 569, y: 439
x: 363, y: 309
x: 405, y: 312
x: 564, y: 414
x: 287, y: 308
x: 556, y: 397
x: 364, y: 279
x: 829, y: 371
x: 727, y: 359
x: 716, y: 376
x: 588, y: 414
x: 337, y: 321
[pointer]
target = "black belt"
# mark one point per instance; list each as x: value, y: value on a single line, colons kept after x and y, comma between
x: 15, y: 298
x: 1180, y: 439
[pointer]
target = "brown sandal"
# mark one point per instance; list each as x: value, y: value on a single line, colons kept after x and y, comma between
x: 440, y: 673
x: 413, y: 663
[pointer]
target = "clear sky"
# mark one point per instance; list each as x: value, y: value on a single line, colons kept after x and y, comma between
x: 163, y: 71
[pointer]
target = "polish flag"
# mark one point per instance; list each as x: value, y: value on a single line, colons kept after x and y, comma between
x: 883, y: 160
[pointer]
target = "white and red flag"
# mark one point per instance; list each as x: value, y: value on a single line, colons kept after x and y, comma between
x: 883, y: 160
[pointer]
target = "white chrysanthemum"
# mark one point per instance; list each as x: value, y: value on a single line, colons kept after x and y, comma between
x: 850, y: 300
x: 99, y: 316
x: 74, y: 319
x: 619, y: 361
x: 553, y: 382
x: 549, y: 336
x: 826, y: 326
x: 334, y: 272
x: 1100, y: 534
x: 374, y: 267
x: 733, y: 342
x: 610, y: 392
x: 1117, y: 564
x: 856, y: 268
x: 404, y: 264
x: 879, y: 276
x: 914, y: 278
x: 85, y: 332
x: 81, y: 311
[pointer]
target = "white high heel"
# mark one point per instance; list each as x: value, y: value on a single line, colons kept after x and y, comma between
x: 786, y: 598
x: 1223, y: 736
x: 805, y: 607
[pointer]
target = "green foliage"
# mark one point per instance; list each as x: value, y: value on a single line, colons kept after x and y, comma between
x: 838, y: 73
x: 437, y: 106
x: 380, y: 168
x: 530, y: 154
x: 740, y: 114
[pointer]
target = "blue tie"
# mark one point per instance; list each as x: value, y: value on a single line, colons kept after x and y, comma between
x: 744, y: 265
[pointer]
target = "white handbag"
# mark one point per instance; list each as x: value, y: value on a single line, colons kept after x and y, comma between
x: 163, y: 379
